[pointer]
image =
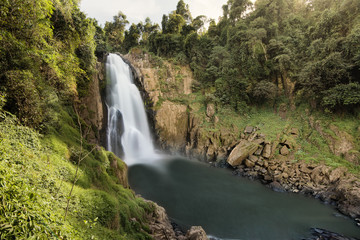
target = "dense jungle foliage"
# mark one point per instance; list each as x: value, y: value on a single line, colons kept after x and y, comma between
x: 293, y: 51
x: 53, y: 184
x: 303, y: 51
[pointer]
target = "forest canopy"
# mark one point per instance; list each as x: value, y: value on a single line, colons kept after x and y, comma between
x: 305, y: 51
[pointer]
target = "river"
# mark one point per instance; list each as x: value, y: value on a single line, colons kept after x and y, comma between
x: 230, y: 207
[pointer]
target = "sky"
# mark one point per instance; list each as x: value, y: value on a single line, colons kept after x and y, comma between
x: 138, y: 10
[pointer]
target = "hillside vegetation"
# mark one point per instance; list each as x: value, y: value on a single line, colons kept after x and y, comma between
x: 300, y: 58
x: 53, y: 184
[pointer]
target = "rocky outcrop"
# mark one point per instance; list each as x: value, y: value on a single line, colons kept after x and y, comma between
x: 91, y: 108
x: 192, y: 128
x: 196, y: 233
x: 162, y: 229
x: 172, y: 125
x: 322, y: 234
x: 282, y: 174
x: 340, y: 142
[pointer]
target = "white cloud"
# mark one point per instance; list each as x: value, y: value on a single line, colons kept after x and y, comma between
x: 138, y: 10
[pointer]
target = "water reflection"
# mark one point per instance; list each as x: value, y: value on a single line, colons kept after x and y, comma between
x: 231, y: 207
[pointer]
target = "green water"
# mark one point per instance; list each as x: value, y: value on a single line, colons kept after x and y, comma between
x: 230, y: 207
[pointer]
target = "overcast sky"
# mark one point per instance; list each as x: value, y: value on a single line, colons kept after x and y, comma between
x: 138, y: 10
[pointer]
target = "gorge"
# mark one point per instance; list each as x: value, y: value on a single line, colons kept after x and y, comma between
x: 225, y: 206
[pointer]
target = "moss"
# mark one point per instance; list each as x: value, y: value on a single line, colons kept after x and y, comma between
x: 45, y: 167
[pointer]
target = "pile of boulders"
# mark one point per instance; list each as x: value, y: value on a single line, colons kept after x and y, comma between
x: 272, y: 162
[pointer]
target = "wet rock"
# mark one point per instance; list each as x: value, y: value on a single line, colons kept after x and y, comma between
x: 196, y: 233
x: 160, y: 226
x: 277, y: 187
x: 322, y: 234
x: 241, y: 152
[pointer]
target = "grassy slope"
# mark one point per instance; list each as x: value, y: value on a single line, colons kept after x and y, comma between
x: 312, y: 147
x: 36, y: 175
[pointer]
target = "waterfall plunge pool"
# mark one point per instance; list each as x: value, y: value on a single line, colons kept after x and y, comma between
x: 225, y: 206
x: 230, y: 207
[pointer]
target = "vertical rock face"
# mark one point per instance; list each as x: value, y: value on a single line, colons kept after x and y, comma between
x: 92, y: 109
x: 172, y: 124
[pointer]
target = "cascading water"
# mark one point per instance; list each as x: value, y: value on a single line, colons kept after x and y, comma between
x: 127, y: 121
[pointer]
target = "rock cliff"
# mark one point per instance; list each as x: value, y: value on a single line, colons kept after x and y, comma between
x: 185, y: 124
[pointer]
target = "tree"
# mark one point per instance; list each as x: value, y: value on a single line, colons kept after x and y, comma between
x: 183, y: 10
x: 132, y: 37
x: 114, y: 31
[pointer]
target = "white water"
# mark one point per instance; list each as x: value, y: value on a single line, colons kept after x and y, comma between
x: 126, y: 114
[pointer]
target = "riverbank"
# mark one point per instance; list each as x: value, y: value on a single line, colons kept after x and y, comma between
x: 289, y: 149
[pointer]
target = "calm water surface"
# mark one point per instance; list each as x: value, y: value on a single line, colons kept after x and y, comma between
x: 231, y: 207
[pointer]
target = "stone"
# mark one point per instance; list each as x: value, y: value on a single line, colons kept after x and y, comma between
x: 160, y: 226
x: 259, y: 141
x: 273, y: 147
x: 277, y: 187
x: 336, y: 175
x: 304, y: 168
x: 318, y: 175
x: 249, y: 163
x: 284, y: 151
x: 248, y: 130
x: 252, y: 137
x: 284, y: 175
x: 253, y: 158
x: 196, y: 233
x: 266, y: 164
x: 241, y: 152
x: 210, y: 110
x: 259, y: 151
x: 172, y: 121
x: 267, y: 151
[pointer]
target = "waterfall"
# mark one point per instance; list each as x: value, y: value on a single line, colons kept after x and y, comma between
x: 127, y: 121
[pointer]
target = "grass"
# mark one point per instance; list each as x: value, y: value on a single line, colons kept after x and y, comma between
x: 36, y: 174
x: 311, y: 146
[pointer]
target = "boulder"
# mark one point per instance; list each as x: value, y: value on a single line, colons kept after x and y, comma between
x: 273, y: 147
x: 284, y: 151
x: 252, y: 137
x: 196, y: 233
x: 336, y: 175
x: 319, y: 175
x: 267, y: 151
x: 241, y: 152
x: 259, y: 151
x: 249, y: 163
x: 253, y: 158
